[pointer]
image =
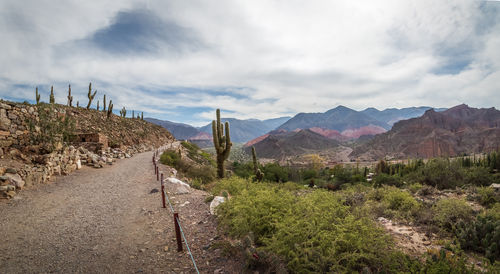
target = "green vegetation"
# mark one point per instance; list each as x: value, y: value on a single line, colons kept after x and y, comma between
x: 90, y: 95
x: 259, y: 175
x: 53, y: 128
x: 52, y: 98
x: 199, y: 166
x: 320, y: 231
x: 70, y: 97
x: 449, y: 211
x: 123, y: 112
x: 222, y: 143
x: 481, y: 235
x: 37, y: 96
x: 110, y: 108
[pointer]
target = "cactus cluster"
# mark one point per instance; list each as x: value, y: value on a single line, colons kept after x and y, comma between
x: 222, y: 143
x: 90, y: 95
x: 123, y: 112
x: 37, y: 96
x: 482, y: 235
x: 110, y: 108
x: 97, y: 108
x: 70, y: 97
x: 104, y: 103
x: 52, y: 97
x: 259, y: 175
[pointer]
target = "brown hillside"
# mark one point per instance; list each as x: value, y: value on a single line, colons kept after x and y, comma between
x: 459, y: 130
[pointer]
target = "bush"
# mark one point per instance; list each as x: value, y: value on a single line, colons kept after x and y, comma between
x: 275, y: 173
x: 384, y: 179
x: 313, y: 232
x: 482, y: 235
x: 479, y: 176
x: 399, y: 204
x: 440, y: 173
x: 170, y: 158
x: 486, y: 196
x: 449, y: 211
x: 414, y: 188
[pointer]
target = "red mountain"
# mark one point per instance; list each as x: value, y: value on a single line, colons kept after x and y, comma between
x: 456, y: 131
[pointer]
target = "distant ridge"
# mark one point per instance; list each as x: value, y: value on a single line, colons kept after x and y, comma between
x: 456, y: 131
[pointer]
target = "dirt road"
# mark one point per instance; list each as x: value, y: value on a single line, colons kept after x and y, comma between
x: 105, y: 221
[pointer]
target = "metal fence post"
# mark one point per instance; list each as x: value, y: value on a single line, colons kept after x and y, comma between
x: 162, y: 191
x: 177, y: 232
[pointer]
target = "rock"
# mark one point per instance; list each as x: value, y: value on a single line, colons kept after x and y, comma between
x: 11, y: 194
x: 16, y: 180
x: 426, y: 243
x: 78, y: 164
x: 154, y: 190
x: 215, y: 203
x: 7, y: 188
x: 496, y: 187
x: 173, y: 180
x: 11, y: 170
x: 127, y: 155
x: 181, y: 189
x: 165, y: 248
x: 109, y: 161
x: 3, y: 178
x: 185, y: 204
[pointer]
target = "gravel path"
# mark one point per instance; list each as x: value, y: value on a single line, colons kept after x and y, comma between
x: 106, y: 221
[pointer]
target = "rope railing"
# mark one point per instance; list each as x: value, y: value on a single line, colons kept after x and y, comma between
x: 177, y: 222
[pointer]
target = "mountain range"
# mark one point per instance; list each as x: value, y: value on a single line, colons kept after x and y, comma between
x: 456, y: 131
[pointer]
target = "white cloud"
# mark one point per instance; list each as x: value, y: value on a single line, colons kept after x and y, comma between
x: 276, y: 57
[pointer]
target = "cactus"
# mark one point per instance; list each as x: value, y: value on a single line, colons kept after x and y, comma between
x: 259, y: 175
x: 104, y: 104
x: 123, y: 112
x: 222, y: 143
x: 133, y: 115
x: 37, y: 96
x: 52, y: 97
x: 142, y: 116
x: 97, y: 105
x: 70, y: 98
x: 90, y: 95
x: 77, y: 104
x: 110, y: 108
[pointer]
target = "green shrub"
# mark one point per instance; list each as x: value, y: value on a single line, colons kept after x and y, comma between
x: 414, y: 188
x: 170, y: 158
x: 493, y: 212
x: 479, y: 176
x: 449, y: 211
x: 399, y: 204
x: 481, y: 235
x: 312, y: 232
x: 439, y: 173
x: 384, y: 179
x: 275, y: 173
x: 486, y: 196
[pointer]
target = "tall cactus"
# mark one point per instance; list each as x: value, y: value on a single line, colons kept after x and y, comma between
x: 110, y: 108
x: 77, y: 104
x: 104, y: 104
x: 52, y: 97
x: 123, y: 112
x: 259, y: 175
x: 37, y: 96
x: 90, y: 95
x: 142, y: 116
x: 133, y: 114
x: 222, y: 143
x: 70, y: 98
x: 97, y: 105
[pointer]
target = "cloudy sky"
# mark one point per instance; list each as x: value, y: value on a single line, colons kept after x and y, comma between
x: 179, y: 60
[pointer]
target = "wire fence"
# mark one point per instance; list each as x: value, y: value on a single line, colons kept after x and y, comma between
x: 177, y: 221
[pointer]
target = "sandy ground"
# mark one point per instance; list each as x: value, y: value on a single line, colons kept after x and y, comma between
x: 107, y: 221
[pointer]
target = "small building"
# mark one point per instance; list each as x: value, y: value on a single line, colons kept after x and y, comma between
x: 92, y: 141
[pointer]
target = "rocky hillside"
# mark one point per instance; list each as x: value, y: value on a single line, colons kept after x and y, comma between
x: 280, y: 143
x: 38, y: 141
x: 392, y: 115
x: 179, y: 130
x: 456, y: 131
x: 340, y: 118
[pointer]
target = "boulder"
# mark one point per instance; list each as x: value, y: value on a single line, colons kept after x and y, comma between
x: 181, y: 189
x: 78, y: 164
x: 15, y: 179
x: 215, y: 203
x: 11, y: 170
x: 7, y: 188
x: 173, y: 180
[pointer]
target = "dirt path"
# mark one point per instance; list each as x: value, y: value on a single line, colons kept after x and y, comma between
x: 106, y: 221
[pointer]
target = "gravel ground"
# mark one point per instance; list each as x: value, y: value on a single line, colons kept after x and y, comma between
x: 107, y: 221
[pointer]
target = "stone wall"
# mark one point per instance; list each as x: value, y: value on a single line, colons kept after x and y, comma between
x: 24, y: 162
